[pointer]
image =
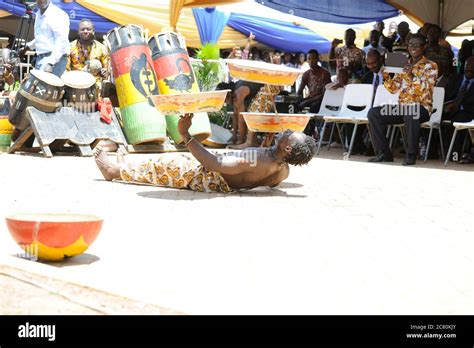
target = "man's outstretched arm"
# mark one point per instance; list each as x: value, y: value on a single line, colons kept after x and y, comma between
x: 225, y: 164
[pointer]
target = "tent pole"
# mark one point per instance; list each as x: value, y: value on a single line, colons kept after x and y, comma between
x: 440, y: 14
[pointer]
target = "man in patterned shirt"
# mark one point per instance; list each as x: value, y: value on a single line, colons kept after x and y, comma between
x: 349, y: 56
x: 85, y: 50
x: 415, y: 85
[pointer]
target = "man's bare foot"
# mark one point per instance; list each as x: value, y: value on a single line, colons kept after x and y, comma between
x: 109, y: 170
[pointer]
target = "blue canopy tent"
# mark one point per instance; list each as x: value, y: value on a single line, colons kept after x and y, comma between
x: 282, y: 35
x: 336, y: 11
x: 75, y: 11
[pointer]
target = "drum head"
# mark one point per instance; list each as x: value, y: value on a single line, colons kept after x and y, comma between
x: 78, y: 79
x: 48, y: 78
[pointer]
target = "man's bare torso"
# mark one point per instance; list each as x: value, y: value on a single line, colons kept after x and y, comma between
x: 263, y: 171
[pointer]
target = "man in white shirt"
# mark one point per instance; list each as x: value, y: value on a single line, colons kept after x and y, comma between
x: 51, y: 40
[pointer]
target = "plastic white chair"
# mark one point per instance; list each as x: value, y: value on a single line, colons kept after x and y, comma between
x: 356, y: 104
x: 331, y: 103
x: 433, y: 123
x: 457, y: 127
x: 330, y: 106
x: 384, y: 97
x: 435, y: 119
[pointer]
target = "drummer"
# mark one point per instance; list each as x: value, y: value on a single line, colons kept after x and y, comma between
x: 86, y: 51
x: 51, y: 38
x: 205, y: 172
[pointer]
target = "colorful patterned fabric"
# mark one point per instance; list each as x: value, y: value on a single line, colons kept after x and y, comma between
x: 263, y: 101
x: 316, y: 80
x: 180, y: 171
x: 351, y: 58
x: 418, y: 90
x: 80, y: 57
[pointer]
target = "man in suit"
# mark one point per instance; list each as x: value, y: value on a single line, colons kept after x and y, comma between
x: 461, y: 109
x: 375, y: 78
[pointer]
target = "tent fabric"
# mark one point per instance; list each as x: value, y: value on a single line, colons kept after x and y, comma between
x: 154, y: 16
x: 284, y: 36
x: 455, y: 12
x: 336, y: 11
x: 210, y: 23
x: 176, y: 6
x: 4, y: 14
x: 75, y: 11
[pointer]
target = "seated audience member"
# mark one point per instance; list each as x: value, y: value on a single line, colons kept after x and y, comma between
x: 415, y: 85
x: 434, y: 51
x: 402, y: 38
x: 85, y: 50
x: 287, y: 60
x: 446, y: 79
x: 341, y: 82
x: 461, y: 109
x: 276, y: 58
x: 7, y: 81
x: 466, y: 51
x: 383, y: 41
x: 316, y: 78
x: 374, y: 43
x: 348, y: 56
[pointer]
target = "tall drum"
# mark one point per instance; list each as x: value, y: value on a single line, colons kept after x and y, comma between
x: 80, y: 90
x: 6, y: 128
x: 135, y: 81
x: 175, y: 75
x: 42, y: 90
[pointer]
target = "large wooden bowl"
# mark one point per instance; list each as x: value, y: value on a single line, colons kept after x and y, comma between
x: 261, y: 72
x: 275, y: 123
x: 54, y: 237
x: 172, y: 104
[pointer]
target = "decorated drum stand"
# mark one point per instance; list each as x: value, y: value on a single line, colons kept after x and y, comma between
x: 135, y: 82
x: 175, y: 76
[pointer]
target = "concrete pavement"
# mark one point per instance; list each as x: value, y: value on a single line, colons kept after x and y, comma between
x: 338, y: 237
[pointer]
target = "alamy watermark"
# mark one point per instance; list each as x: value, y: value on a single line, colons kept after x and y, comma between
x: 413, y: 110
x: 250, y: 156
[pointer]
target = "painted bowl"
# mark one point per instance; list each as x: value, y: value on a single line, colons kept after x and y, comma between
x: 54, y: 237
x: 261, y: 72
x: 172, y: 104
x: 275, y: 123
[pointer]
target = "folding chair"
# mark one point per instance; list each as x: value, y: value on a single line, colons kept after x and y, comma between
x: 457, y: 127
x: 433, y: 123
x: 435, y: 119
x: 330, y: 106
x: 356, y: 104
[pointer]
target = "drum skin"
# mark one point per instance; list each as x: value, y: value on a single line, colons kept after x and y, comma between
x: 135, y: 81
x: 175, y: 75
x: 80, y: 90
x: 35, y: 92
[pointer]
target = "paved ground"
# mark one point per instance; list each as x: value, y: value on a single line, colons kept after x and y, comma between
x: 339, y: 237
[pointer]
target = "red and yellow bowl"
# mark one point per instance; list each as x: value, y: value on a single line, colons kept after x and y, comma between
x: 54, y: 237
x: 275, y: 123
x: 261, y: 72
x: 171, y: 104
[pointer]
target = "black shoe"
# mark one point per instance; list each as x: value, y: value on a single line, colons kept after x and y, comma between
x: 381, y: 158
x: 409, y: 160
